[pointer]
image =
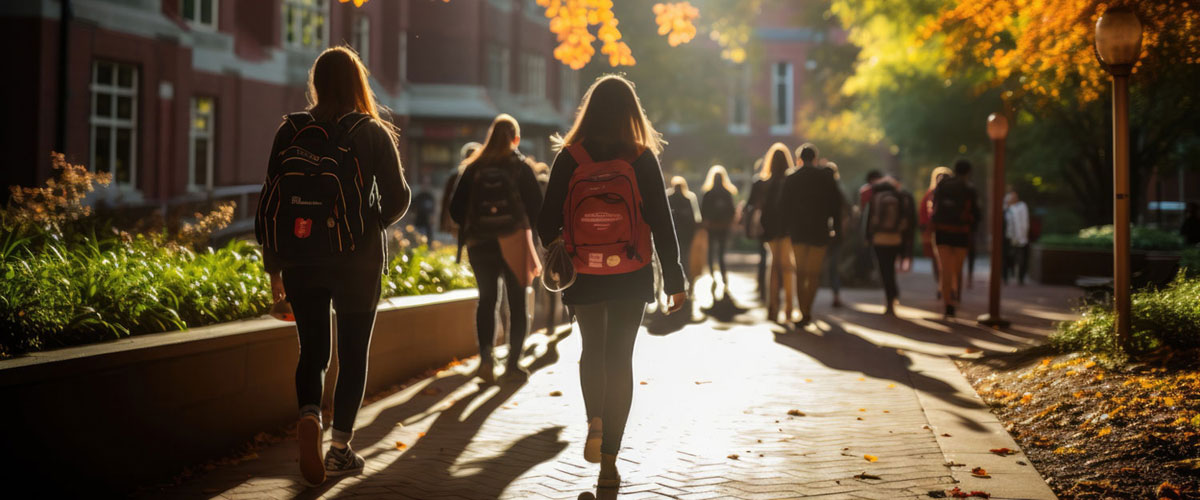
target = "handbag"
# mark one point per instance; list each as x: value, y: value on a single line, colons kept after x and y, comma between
x: 558, y: 272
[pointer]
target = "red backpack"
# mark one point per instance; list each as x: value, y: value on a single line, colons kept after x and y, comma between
x: 604, y: 230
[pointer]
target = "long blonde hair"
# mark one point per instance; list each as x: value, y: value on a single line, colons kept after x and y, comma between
x: 501, y: 141
x: 776, y: 162
x: 611, y: 112
x: 679, y: 184
x: 938, y: 172
x: 338, y: 84
x: 711, y: 181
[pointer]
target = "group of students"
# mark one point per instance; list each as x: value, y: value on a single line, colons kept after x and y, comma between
x: 335, y: 184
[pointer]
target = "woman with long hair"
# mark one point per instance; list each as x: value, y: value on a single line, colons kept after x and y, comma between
x: 495, y: 203
x: 925, y: 219
x: 718, y: 212
x: 776, y: 164
x: 685, y: 211
x: 611, y: 125
x: 341, y: 105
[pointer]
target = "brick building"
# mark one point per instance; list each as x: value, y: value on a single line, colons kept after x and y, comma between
x: 180, y: 99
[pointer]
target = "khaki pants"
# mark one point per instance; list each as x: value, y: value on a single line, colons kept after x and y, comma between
x: 950, y: 260
x: 782, y: 268
x: 808, y: 274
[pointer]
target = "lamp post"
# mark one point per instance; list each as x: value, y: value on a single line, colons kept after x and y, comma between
x: 997, y: 130
x: 1118, y: 46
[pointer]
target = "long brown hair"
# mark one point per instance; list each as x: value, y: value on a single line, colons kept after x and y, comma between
x: 776, y: 162
x: 611, y: 113
x: 717, y: 174
x: 500, y: 140
x: 338, y: 84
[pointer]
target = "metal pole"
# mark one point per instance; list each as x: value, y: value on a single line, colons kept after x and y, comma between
x: 992, y: 318
x: 1121, y: 286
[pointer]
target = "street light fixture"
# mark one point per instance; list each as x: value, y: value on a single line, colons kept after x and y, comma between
x: 997, y: 130
x: 1118, y: 47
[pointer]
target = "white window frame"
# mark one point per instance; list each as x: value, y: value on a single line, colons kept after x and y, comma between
x: 361, y: 37
x: 210, y: 135
x: 788, y: 82
x: 568, y: 88
x: 112, y: 90
x: 533, y: 77
x: 298, y: 9
x: 402, y: 64
x: 740, y: 94
x: 195, y: 21
x: 499, y: 62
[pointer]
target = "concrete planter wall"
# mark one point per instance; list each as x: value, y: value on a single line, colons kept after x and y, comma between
x: 1062, y: 266
x: 126, y: 413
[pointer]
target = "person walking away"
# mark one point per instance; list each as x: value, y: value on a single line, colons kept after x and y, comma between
x: 863, y: 255
x: 812, y: 209
x: 834, y: 256
x: 609, y: 159
x: 925, y: 219
x: 1190, y: 229
x: 685, y: 213
x: 955, y: 210
x: 446, y: 223
x: 777, y: 162
x: 496, y: 202
x: 1016, y: 231
x: 718, y: 212
x: 752, y: 220
x: 890, y: 220
x: 321, y: 226
x: 424, y: 205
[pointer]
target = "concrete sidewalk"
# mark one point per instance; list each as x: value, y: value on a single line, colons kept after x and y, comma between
x: 884, y: 413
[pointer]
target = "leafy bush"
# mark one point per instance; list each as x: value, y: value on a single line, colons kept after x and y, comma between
x: 1101, y: 237
x: 1189, y: 262
x: 1169, y: 317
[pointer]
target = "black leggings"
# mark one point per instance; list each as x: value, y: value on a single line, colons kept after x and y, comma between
x: 354, y: 294
x: 488, y: 265
x: 606, y: 365
x: 717, y: 238
x: 886, y: 256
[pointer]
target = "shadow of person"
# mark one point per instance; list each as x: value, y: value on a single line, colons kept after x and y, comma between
x: 839, y: 349
x: 724, y: 309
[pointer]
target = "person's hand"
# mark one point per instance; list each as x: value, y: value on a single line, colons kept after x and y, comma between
x: 277, y: 293
x: 906, y: 264
x: 675, y: 302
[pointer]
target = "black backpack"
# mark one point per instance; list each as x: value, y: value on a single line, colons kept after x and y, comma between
x: 682, y: 212
x: 887, y: 213
x: 318, y: 206
x: 952, y: 206
x: 721, y: 212
x: 494, y: 207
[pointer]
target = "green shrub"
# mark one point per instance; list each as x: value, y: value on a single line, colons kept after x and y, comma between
x: 1189, y: 262
x: 1101, y: 238
x: 1168, y: 317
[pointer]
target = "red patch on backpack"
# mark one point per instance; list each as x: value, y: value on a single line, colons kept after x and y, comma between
x: 303, y: 227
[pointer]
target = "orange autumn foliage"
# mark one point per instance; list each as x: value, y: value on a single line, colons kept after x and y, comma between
x: 1044, y: 48
x: 675, y: 21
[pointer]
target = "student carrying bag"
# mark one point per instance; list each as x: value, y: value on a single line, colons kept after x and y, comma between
x: 604, y: 230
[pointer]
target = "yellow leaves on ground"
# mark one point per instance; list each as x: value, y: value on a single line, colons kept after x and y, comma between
x: 675, y: 21
x: 400, y: 445
x: 871, y: 458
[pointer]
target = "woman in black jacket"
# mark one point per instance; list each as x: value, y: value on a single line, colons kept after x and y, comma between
x: 497, y: 237
x: 609, y: 307
x: 341, y: 101
x: 718, y: 211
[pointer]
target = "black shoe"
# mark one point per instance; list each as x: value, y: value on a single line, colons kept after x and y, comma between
x: 800, y: 325
x: 949, y: 311
x: 343, y: 461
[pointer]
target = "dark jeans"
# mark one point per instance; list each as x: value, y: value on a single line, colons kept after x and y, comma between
x: 489, y: 266
x: 354, y: 294
x: 762, y: 268
x: 717, y: 239
x: 1017, y: 262
x: 606, y: 365
x: 886, y: 257
x: 832, y: 265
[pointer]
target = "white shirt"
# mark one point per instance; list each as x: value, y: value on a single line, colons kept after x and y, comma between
x: 1016, y: 217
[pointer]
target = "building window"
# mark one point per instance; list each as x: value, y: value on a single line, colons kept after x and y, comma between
x: 533, y: 70
x: 114, y: 121
x: 498, y: 68
x: 361, y: 39
x: 781, y: 98
x: 568, y: 91
x: 402, y: 64
x: 199, y: 13
x: 739, y: 102
x: 200, y: 154
x: 304, y: 23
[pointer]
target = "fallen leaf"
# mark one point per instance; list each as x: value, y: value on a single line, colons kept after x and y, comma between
x: 864, y: 475
x: 862, y: 379
x: 937, y: 494
x: 430, y: 391
x: 808, y: 380
x: 971, y: 350
x: 421, y: 434
x: 980, y: 472
x: 945, y: 434
x: 796, y: 413
x: 886, y: 411
x: 858, y: 418
x: 871, y: 458
x: 891, y: 386
x: 953, y: 464
x: 642, y: 382
x: 862, y: 409
x: 400, y: 445
x: 699, y: 382
x: 1167, y: 491
x: 1003, y: 451
x: 732, y: 456
x: 555, y: 393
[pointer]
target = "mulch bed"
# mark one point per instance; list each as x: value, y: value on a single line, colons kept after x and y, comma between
x: 1099, y: 431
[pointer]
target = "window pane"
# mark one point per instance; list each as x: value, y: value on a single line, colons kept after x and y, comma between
x: 200, y: 176
x: 188, y: 9
x: 206, y: 11
x: 125, y: 76
x: 203, y: 105
x: 289, y: 22
x: 123, y: 164
x: 102, y: 136
x: 104, y: 73
x: 124, y: 107
x: 104, y: 104
x: 781, y: 104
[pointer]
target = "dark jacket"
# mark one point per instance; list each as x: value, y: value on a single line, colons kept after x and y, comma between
x: 717, y: 208
x: 955, y: 212
x: 908, y: 214
x: 377, y: 155
x: 527, y: 184
x: 637, y: 285
x: 774, y: 220
x: 812, y: 205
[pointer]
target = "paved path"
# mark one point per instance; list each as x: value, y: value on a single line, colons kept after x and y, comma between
x: 710, y: 414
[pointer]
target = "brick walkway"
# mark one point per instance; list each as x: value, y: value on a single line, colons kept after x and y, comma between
x: 710, y: 415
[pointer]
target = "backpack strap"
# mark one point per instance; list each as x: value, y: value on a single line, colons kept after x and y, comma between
x: 299, y: 120
x: 348, y: 124
x: 580, y: 155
